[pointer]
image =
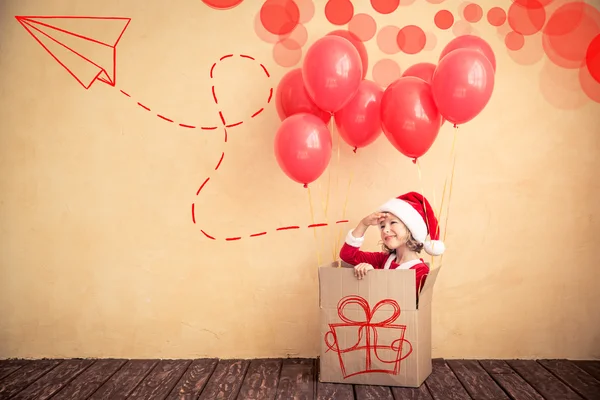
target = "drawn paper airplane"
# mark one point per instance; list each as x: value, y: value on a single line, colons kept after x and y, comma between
x: 85, y: 46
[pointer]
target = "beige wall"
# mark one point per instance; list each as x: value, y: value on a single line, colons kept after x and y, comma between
x: 99, y: 256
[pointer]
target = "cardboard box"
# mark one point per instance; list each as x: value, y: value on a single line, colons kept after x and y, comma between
x: 372, y: 331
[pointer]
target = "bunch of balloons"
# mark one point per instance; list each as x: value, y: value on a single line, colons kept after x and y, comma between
x: 410, y: 111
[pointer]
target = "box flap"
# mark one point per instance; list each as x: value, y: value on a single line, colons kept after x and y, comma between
x: 426, y: 294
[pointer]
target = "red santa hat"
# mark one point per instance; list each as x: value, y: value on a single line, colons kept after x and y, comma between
x: 414, y: 211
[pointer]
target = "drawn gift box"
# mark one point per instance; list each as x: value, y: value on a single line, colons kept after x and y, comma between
x: 379, y: 338
x: 376, y: 330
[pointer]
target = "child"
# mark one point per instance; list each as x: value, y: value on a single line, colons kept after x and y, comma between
x: 404, y: 223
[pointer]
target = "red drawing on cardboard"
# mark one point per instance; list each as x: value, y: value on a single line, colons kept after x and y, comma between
x: 367, y: 331
x: 85, y: 46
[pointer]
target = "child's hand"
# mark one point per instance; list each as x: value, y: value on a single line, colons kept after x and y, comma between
x: 374, y: 219
x: 360, y: 271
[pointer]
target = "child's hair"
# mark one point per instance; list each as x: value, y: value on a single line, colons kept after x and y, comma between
x: 411, y: 243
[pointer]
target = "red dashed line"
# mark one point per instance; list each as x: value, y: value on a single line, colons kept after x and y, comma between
x: 222, y: 117
x: 198, y: 192
x: 233, y: 238
x: 212, y: 69
x: 165, y: 118
x: 220, y: 161
x: 207, y: 235
x: 143, y: 106
x: 343, y: 221
x: 225, y: 135
x: 232, y: 125
x: 249, y: 57
x: 227, y: 56
x: 193, y: 213
x: 256, y: 113
x: 270, y: 95
x: 126, y: 94
x: 208, y: 128
x: 317, y: 225
x: 187, y: 126
x: 265, y: 69
x: 214, y: 95
x: 285, y: 228
x: 258, y: 234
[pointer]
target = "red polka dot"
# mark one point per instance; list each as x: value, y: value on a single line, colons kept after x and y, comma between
x: 462, y: 27
x: 561, y: 87
x: 307, y: 10
x: 385, y: 6
x: 531, y: 53
x: 339, y: 12
x: 496, y: 16
x: 569, y: 32
x: 443, y: 19
x: 297, y: 38
x: 514, y: 41
x: 592, y: 58
x: 411, y: 39
x: 262, y: 33
x: 222, y: 4
x: 431, y: 41
x: 526, y: 16
x: 386, y: 71
x: 287, y: 54
x: 363, y: 26
x: 387, y: 39
x: 589, y: 85
x: 279, y: 16
x: 473, y: 12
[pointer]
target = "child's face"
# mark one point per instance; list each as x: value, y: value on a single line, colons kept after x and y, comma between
x: 393, y: 232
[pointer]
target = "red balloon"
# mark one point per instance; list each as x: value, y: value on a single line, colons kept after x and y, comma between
x: 409, y: 116
x: 303, y: 147
x: 462, y: 85
x: 359, y: 122
x: 471, y: 42
x: 422, y: 70
x: 360, y: 47
x: 291, y: 98
x: 332, y: 71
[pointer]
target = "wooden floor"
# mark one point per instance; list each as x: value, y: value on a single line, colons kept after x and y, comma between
x: 289, y: 379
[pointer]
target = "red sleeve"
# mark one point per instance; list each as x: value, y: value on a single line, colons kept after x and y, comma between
x: 421, y: 271
x: 353, y: 256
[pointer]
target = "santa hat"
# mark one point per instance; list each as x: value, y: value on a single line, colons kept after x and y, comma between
x: 415, y: 212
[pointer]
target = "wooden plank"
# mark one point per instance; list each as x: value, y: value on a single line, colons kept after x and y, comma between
x: 25, y: 376
x: 476, y: 380
x: 125, y: 380
x: 496, y: 367
x: 90, y: 380
x: 422, y: 393
x: 549, y: 386
x: 226, y: 380
x: 516, y: 387
x: 47, y: 385
x: 334, y: 391
x: 161, y: 380
x: 297, y: 380
x: 579, y: 380
x: 194, y: 379
x: 261, y: 380
x: 589, y: 366
x: 369, y: 392
x: 7, y: 367
x: 443, y: 385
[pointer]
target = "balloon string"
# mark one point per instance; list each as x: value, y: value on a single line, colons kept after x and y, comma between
x: 424, y: 205
x: 455, y: 151
x: 337, y: 177
x: 452, y: 150
x: 312, y: 218
x: 339, y: 238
